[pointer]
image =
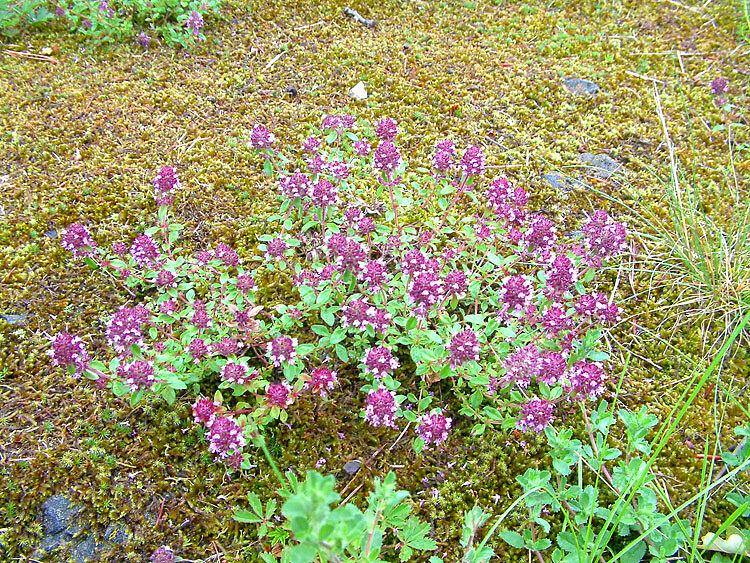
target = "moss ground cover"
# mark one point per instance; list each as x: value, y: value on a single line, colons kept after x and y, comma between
x: 83, y: 136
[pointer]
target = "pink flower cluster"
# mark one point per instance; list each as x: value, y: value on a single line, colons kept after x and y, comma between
x: 536, y: 415
x: 77, y: 240
x: 166, y: 185
x: 69, y: 350
x: 464, y: 347
x: 360, y: 314
x: 282, y: 349
x: 321, y: 381
x: 381, y: 407
x: 379, y: 361
x: 433, y: 428
x: 125, y: 328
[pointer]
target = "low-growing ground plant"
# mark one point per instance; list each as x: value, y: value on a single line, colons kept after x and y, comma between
x: 468, y: 292
x: 172, y: 22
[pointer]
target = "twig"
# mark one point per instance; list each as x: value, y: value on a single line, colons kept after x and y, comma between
x: 32, y: 56
x: 354, y: 14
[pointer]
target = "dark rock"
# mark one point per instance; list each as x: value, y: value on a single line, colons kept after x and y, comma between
x: 19, y: 320
x: 560, y: 181
x: 601, y: 165
x: 87, y: 550
x: 116, y: 533
x: 581, y: 87
x: 351, y: 468
x: 292, y: 91
x: 57, y: 513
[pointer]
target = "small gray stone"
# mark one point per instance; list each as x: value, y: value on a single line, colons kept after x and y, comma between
x: 52, y: 233
x: 57, y: 512
x: 116, y: 533
x: 87, y: 550
x: 351, y: 468
x: 601, y: 165
x: 560, y: 181
x: 19, y: 320
x: 581, y: 87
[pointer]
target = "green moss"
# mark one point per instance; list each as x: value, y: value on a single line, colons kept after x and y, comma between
x: 82, y: 139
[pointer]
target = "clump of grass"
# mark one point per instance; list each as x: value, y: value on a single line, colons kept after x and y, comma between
x: 704, y: 256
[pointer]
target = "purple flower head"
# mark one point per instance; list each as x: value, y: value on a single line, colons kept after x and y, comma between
x: 311, y: 144
x: 105, y: 9
x: 200, y: 315
x: 536, y: 415
x: 426, y: 289
x: 279, y: 395
x: 324, y: 194
x: 374, y: 274
x: 360, y: 314
x: 227, y: 255
x: 246, y: 283
x: 198, y: 349
x: 77, y: 240
x: 195, y: 22
x: 165, y: 278
x: 413, y: 261
x: 464, y: 347
x: 225, y: 437
x: 261, y: 138
x: 553, y: 367
x: 296, y: 185
x: 719, y: 86
x: 138, y: 375
x: 339, y: 123
x: 144, y: 40
x: 541, y: 233
x: 379, y: 361
x: 365, y: 226
x: 203, y: 257
x: 586, y: 379
x: 508, y: 202
x: 516, y: 294
x: 226, y: 347
x: 321, y: 381
x: 338, y: 169
x: 163, y: 555
x: 522, y: 366
x: 386, y: 158
x: 556, y: 319
x: 124, y: 329
x: 276, y: 248
x: 362, y: 148
x: 166, y: 182
x: 562, y: 275
x: 119, y: 249
x: 433, y: 428
x: 346, y: 253
x: 386, y: 129
x: 69, y: 350
x: 473, y: 162
x: 204, y: 411
x: 381, y: 407
x: 316, y: 164
x: 603, y: 237
x: 60, y: 12
x: 169, y: 306
x: 442, y: 158
x: 145, y: 251
x: 455, y: 283
x: 282, y: 349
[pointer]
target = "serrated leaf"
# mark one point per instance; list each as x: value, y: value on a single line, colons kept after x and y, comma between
x: 513, y: 538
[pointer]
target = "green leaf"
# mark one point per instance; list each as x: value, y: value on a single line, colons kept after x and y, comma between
x: 342, y: 353
x: 246, y: 517
x: 513, y: 538
x: 169, y: 395
x: 321, y: 330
